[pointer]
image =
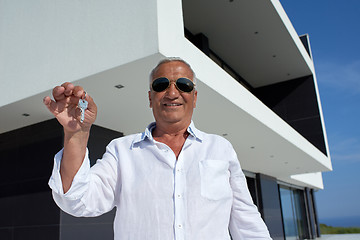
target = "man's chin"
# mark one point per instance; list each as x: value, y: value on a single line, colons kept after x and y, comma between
x: 176, y: 120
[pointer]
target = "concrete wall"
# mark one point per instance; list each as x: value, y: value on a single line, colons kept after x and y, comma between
x: 44, y: 43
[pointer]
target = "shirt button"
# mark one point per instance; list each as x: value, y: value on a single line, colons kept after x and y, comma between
x: 179, y: 195
x: 179, y: 226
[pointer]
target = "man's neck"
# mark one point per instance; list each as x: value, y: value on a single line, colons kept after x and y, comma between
x: 170, y: 130
x: 173, y: 136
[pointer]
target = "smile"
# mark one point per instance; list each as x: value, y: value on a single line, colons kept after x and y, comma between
x: 172, y: 104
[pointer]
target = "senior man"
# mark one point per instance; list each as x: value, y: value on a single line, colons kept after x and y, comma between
x: 172, y: 181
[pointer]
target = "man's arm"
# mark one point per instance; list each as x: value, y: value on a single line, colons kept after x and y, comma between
x: 76, y: 133
x: 245, y: 219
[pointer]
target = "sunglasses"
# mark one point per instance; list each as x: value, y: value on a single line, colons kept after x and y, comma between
x: 182, y: 84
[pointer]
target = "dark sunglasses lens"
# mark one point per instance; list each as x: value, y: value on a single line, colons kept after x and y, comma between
x: 185, y: 85
x: 160, y: 84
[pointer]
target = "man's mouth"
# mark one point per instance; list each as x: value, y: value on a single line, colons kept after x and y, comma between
x: 172, y: 104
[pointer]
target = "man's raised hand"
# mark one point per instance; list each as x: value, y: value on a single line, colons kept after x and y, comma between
x: 65, y: 107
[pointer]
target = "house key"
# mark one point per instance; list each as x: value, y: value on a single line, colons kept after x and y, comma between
x: 82, y: 104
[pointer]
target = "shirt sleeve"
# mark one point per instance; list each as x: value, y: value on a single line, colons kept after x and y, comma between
x: 245, y: 219
x: 92, y: 191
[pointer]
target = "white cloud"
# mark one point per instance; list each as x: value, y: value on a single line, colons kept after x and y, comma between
x: 355, y: 157
x: 342, y: 76
x: 345, y: 149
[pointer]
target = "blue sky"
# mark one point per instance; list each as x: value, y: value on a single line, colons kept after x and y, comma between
x: 333, y: 27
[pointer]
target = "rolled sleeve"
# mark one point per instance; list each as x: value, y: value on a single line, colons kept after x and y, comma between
x: 92, y: 190
x: 78, y: 186
x: 70, y: 201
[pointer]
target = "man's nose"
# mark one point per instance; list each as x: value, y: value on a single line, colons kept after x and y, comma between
x: 172, y: 90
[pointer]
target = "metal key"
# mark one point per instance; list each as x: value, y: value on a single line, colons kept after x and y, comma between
x: 82, y: 104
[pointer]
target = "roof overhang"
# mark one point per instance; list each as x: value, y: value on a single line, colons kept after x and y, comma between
x: 263, y: 141
x: 255, y: 38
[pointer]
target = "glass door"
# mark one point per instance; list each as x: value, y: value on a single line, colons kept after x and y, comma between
x: 289, y: 214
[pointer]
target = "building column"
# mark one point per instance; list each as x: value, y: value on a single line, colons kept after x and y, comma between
x: 314, y: 227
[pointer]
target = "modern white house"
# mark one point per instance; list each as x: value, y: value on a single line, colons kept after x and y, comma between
x: 256, y: 87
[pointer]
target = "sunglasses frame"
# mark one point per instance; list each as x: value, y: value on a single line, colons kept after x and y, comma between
x: 176, y: 85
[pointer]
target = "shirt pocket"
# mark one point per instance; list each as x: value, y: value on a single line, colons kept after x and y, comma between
x: 215, y: 176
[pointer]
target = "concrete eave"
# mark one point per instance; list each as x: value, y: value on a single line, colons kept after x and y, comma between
x: 263, y: 141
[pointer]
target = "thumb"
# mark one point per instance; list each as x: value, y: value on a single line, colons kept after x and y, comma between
x: 91, y: 107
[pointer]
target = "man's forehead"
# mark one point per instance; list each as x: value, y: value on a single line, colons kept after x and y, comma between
x: 173, y: 67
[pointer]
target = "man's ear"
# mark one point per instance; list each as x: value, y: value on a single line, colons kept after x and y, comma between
x: 195, y: 99
x: 150, y: 103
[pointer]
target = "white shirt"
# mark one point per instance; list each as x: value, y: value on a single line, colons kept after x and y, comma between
x: 201, y: 195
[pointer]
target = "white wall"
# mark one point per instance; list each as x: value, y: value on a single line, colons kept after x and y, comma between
x: 46, y: 42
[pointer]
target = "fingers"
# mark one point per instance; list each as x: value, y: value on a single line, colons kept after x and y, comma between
x: 47, y: 101
x: 78, y: 91
x: 50, y: 104
x: 63, y: 91
x: 66, y: 98
x: 90, y: 100
x: 65, y: 94
x: 68, y: 90
x: 58, y: 93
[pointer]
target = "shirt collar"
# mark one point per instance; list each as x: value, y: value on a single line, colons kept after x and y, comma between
x: 193, y: 131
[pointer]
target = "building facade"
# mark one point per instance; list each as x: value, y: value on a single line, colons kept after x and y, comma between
x: 256, y: 82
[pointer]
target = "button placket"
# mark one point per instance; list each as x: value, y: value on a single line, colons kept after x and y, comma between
x: 167, y: 155
x: 179, y: 204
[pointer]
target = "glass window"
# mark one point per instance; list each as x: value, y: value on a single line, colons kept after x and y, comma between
x: 290, y: 226
x: 252, y: 189
x: 300, y: 213
x: 294, y: 213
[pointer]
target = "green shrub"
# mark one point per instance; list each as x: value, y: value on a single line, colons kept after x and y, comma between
x: 325, y: 229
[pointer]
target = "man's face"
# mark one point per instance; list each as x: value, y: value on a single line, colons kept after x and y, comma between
x: 172, y: 106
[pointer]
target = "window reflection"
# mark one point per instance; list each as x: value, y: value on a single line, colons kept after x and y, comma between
x: 293, y: 210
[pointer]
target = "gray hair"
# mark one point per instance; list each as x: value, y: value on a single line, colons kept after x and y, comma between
x: 171, y: 59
